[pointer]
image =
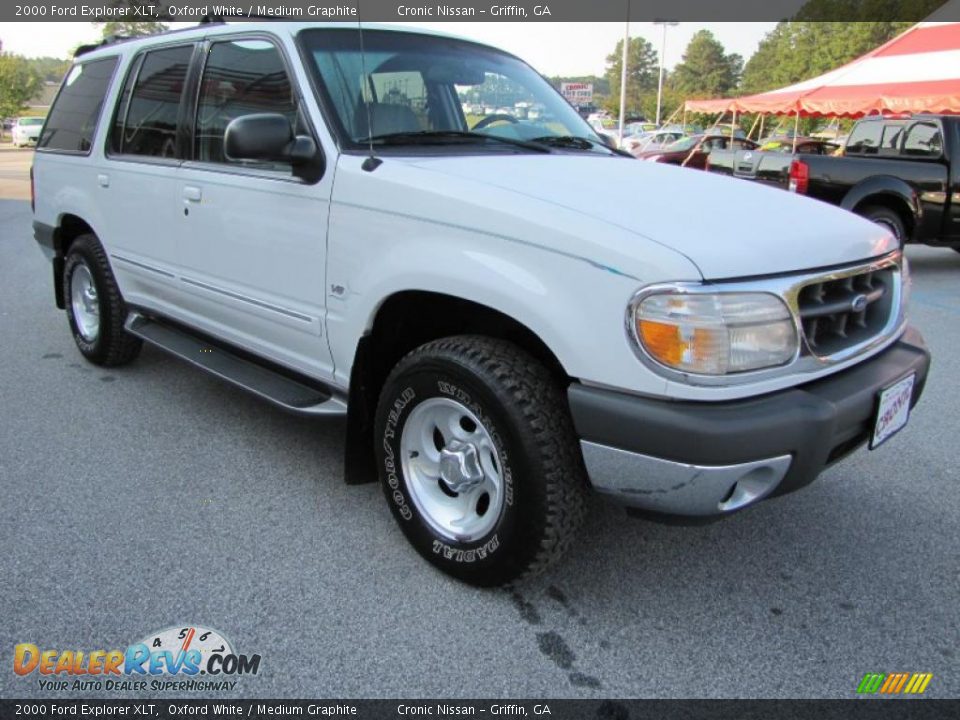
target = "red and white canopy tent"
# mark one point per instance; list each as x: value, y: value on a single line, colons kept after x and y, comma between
x: 917, y: 71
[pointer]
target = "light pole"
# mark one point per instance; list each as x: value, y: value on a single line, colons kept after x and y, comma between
x: 623, y: 75
x: 663, y: 51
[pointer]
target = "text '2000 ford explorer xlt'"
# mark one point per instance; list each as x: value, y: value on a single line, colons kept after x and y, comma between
x: 507, y: 312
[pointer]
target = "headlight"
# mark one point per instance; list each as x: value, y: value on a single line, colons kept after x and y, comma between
x: 715, y: 333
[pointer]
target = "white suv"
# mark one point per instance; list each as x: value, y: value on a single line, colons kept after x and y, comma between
x: 26, y: 130
x: 507, y: 312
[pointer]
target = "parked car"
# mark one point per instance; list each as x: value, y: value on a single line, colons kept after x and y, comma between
x: 767, y: 163
x: 505, y: 317
x: 727, y: 129
x: 654, y: 141
x: 26, y: 130
x: 607, y: 129
x: 693, y: 151
x: 638, y: 128
x: 634, y: 137
x: 902, y: 173
x: 688, y: 129
x: 585, y: 110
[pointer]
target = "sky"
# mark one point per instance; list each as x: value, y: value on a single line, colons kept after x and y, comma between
x: 555, y: 48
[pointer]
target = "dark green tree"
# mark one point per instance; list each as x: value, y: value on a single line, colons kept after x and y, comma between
x: 910, y: 11
x: 130, y: 28
x: 19, y: 83
x: 642, y: 68
x: 706, y: 70
x: 800, y: 50
x: 50, y: 69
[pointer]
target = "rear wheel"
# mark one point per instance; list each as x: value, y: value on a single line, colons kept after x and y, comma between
x: 888, y: 219
x: 95, y: 309
x: 478, y: 459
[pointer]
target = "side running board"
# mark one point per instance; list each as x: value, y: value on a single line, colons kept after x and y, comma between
x: 303, y: 396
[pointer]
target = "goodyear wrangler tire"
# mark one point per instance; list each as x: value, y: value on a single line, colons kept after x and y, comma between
x: 478, y: 459
x: 95, y: 308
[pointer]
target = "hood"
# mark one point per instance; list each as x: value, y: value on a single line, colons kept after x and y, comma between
x: 727, y: 227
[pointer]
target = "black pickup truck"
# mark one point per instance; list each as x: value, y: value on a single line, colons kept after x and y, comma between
x: 902, y: 173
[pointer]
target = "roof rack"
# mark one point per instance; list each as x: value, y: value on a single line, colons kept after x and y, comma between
x: 208, y: 19
x: 215, y: 19
x: 108, y: 40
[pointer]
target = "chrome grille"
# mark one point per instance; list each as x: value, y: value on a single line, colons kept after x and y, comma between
x: 837, y: 314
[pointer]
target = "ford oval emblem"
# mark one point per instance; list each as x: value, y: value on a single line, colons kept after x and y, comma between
x: 859, y: 303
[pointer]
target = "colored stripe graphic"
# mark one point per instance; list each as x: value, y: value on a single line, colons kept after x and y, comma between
x: 871, y: 683
x: 918, y: 683
x: 894, y: 683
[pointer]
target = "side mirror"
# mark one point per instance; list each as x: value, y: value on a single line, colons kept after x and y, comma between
x: 269, y: 137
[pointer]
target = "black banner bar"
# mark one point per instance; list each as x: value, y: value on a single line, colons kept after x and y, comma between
x: 480, y: 11
x: 872, y: 709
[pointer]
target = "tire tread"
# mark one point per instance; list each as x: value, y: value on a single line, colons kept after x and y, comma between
x: 118, y: 346
x: 531, y: 389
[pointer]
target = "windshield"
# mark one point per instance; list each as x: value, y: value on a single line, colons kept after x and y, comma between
x: 30, y: 121
x: 407, y: 87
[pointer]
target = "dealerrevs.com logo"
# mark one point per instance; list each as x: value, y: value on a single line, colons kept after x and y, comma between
x: 177, y: 658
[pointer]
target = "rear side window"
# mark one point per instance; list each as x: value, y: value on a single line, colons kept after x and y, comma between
x: 241, y: 77
x: 891, y: 137
x: 865, y: 138
x: 149, y: 108
x: 923, y: 140
x: 75, y: 113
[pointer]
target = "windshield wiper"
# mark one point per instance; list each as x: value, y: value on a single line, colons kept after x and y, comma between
x: 440, y: 137
x: 568, y: 142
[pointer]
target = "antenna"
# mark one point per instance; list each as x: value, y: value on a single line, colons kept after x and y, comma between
x: 372, y: 162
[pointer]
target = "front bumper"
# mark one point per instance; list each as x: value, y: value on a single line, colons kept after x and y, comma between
x: 695, y: 458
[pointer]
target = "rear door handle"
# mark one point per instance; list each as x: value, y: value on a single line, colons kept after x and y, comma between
x: 103, y: 180
x: 192, y: 193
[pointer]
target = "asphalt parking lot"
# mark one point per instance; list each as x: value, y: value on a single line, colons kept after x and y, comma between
x: 148, y: 496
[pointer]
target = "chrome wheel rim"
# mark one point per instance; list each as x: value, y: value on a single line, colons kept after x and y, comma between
x: 84, y: 303
x: 452, y: 469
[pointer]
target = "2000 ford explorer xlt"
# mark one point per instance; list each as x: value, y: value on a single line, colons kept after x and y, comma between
x: 507, y: 312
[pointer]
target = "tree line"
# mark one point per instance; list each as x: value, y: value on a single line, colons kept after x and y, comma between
x: 793, y: 51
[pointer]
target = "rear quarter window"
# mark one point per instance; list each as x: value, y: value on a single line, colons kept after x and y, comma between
x: 923, y: 140
x: 73, y: 119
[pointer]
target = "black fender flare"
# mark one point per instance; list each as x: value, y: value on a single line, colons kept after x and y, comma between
x: 883, y: 187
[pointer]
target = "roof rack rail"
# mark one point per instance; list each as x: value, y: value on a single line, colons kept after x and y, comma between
x: 219, y: 19
x: 112, y: 39
x: 108, y: 40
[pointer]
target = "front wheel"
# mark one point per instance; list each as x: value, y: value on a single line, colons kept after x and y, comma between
x: 479, y: 460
